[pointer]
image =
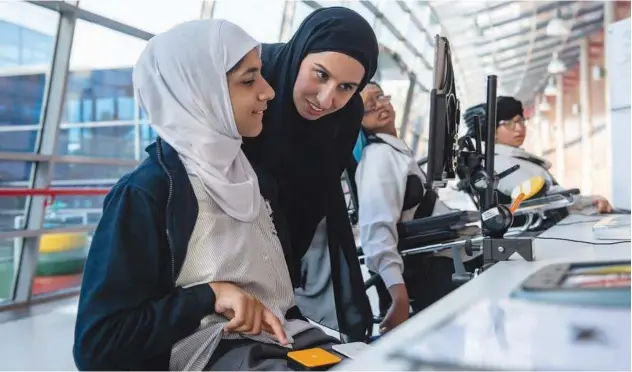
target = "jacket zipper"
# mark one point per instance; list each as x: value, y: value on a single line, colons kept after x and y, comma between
x: 169, y: 242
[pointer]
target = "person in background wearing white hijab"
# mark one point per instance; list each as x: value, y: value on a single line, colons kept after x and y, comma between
x: 186, y: 270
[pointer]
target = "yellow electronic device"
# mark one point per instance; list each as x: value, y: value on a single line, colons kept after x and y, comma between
x: 314, y: 359
x: 529, y: 188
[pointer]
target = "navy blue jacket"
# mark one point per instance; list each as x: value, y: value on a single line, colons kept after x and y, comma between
x: 130, y: 311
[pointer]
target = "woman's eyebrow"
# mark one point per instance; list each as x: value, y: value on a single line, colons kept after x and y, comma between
x: 330, y: 74
x: 251, y: 70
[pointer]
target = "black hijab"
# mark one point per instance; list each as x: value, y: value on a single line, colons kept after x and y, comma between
x: 306, y: 158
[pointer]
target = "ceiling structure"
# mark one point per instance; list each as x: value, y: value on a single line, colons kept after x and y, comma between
x: 509, y: 39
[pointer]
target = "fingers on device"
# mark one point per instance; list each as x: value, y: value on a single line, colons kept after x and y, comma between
x: 350, y: 350
x: 315, y: 359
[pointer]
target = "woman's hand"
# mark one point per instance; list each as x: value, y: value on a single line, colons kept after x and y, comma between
x: 245, y: 313
x: 602, y: 204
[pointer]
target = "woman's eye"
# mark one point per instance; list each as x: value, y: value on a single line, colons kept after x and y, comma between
x: 346, y: 87
x: 322, y: 75
x: 249, y: 82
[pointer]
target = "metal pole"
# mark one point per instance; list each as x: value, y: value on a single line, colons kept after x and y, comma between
x: 585, y: 113
x: 407, y: 106
x: 560, y: 130
x: 537, y: 120
x: 42, y: 173
x: 491, y: 137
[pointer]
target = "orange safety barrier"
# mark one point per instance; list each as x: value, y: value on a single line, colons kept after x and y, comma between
x: 52, y: 193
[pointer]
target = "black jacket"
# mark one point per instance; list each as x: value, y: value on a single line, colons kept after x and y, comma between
x: 130, y: 311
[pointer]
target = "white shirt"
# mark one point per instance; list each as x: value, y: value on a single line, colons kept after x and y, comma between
x: 381, y: 181
x: 507, y: 156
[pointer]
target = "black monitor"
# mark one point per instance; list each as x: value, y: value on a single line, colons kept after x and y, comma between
x: 444, y: 118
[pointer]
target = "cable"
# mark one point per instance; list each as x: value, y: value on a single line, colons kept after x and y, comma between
x: 582, y: 241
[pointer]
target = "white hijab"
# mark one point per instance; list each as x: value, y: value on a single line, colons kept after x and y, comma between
x: 180, y: 81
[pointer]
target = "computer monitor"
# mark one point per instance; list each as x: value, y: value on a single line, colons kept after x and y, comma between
x: 444, y: 118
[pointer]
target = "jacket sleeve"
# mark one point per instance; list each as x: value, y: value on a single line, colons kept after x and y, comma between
x: 120, y: 321
x: 381, y: 182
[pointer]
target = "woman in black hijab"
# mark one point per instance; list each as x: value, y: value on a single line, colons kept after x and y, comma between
x: 309, y: 131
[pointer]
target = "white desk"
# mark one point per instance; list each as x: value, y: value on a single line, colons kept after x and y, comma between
x: 495, y: 283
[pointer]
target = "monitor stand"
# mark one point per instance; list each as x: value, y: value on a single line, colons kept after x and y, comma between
x: 482, y: 180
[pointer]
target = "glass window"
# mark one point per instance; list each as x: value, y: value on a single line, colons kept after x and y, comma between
x: 409, y: 138
x: 96, y: 48
x: 421, y: 11
x: 261, y: 19
x: 149, y: 15
x: 62, y: 256
x: 395, y: 14
x: 85, y: 174
x: 100, y: 104
x: 427, y: 52
x: 301, y: 11
x: 110, y: 141
x: 361, y: 9
x: 147, y: 136
x: 415, y: 36
x: 105, y: 109
x: 386, y: 37
x: 27, y: 40
x: 8, y: 262
x: 13, y: 174
x: 125, y: 107
x: 72, y: 111
x: 424, y: 75
x: 407, y: 56
x: 18, y: 139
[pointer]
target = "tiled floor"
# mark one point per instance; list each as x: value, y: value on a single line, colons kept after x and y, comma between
x: 40, y: 342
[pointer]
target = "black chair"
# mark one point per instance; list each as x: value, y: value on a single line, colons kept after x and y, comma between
x: 419, y: 268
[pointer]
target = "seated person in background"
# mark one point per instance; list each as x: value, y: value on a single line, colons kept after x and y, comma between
x: 511, y: 129
x: 186, y: 270
x: 386, y: 197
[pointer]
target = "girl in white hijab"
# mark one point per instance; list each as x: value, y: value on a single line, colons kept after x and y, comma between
x: 195, y: 206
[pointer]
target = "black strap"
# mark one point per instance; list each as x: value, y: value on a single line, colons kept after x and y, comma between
x: 372, y: 138
x: 537, y: 162
x: 429, y: 198
x: 426, y: 206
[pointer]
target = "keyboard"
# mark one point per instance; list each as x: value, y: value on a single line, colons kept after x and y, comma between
x: 429, y: 224
x: 612, y: 228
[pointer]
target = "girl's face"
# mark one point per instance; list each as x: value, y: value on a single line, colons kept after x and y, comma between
x: 326, y: 81
x: 379, y: 115
x: 249, y: 94
x: 512, y: 132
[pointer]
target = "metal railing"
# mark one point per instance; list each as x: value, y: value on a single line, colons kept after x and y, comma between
x: 20, y: 262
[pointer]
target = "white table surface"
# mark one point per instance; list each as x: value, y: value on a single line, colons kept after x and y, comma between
x: 496, y: 283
